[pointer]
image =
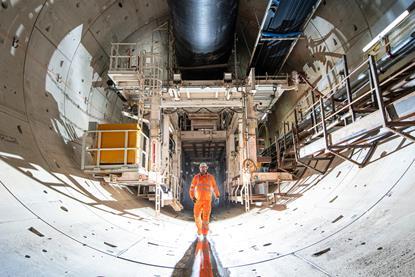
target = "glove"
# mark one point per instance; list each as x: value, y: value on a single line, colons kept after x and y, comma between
x: 216, y: 201
x: 194, y: 199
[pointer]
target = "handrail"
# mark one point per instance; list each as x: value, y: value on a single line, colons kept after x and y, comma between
x: 350, y: 104
x: 333, y: 90
x: 329, y: 94
x: 393, y: 37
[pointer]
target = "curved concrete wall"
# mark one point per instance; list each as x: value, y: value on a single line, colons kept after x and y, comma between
x: 56, y: 221
x: 350, y: 222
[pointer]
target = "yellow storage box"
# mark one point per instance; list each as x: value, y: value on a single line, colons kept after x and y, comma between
x: 115, y: 139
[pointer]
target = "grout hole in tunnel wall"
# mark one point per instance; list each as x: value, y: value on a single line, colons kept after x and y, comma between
x: 319, y: 253
x: 332, y: 200
x: 337, y: 219
x: 35, y: 231
x: 109, y: 244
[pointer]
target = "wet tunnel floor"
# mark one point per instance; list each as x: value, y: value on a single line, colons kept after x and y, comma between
x: 199, y: 260
x: 218, y: 213
x: 352, y: 217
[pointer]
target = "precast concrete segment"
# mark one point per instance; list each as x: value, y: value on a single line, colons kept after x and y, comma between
x: 54, y: 220
x: 108, y: 229
x: 340, y: 203
x: 261, y: 239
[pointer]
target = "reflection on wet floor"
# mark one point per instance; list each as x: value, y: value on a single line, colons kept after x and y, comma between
x: 199, y: 260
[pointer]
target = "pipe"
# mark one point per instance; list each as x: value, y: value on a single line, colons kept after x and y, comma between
x: 203, y: 30
x: 276, y: 35
x: 399, y: 52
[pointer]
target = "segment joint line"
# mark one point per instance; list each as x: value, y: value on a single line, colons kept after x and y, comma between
x: 319, y: 268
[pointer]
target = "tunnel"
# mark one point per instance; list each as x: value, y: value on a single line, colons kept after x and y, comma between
x: 342, y: 209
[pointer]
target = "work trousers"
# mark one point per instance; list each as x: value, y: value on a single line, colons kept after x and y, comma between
x: 201, y: 212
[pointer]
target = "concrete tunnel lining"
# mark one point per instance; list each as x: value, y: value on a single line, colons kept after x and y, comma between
x: 82, y: 222
x: 352, y: 212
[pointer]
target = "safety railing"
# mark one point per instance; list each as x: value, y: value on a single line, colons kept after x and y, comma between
x: 246, y: 181
x: 266, y: 79
x: 151, y: 71
x: 333, y: 80
x: 368, y: 93
x: 124, y: 57
x: 341, y: 106
x: 135, y: 70
x: 92, y: 151
x: 175, y: 187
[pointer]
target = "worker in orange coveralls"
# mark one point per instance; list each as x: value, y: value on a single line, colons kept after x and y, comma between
x: 201, y: 194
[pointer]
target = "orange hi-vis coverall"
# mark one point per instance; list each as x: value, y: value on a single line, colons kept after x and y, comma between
x: 201, y: 189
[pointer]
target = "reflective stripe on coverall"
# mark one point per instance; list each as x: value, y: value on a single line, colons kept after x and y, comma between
x: 201, y: 189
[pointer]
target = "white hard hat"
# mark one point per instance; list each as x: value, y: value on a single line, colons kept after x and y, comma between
x: 203, y: 164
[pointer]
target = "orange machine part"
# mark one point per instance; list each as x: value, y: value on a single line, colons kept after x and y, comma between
x: 117, y: 140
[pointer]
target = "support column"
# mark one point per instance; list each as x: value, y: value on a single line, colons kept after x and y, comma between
x: 230, y: 171
x: 244, y: 175
x: 165, y: 146
x: 179, y: 163
x: 176, y: 164
x: 241, y: 144
x: 155, y: 150
x: 251, y: 118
